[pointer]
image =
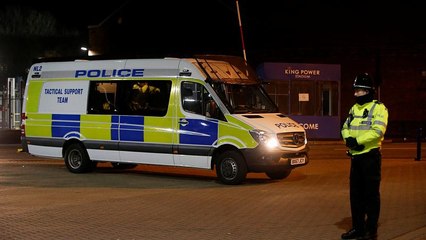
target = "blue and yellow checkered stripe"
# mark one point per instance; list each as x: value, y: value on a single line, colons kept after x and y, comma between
x: 121, y: 128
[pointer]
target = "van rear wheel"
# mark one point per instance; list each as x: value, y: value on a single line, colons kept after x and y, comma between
x: 77, y: 160
x: 231, y: 168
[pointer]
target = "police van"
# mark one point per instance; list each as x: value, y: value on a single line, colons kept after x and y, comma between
x: 208, y: 112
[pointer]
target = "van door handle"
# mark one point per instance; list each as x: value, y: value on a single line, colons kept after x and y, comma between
x: 183, y: 122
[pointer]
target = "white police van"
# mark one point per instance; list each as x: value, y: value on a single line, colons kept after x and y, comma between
x: 207, y: 112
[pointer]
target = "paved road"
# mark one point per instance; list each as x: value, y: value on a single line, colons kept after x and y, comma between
x: 40, y: 199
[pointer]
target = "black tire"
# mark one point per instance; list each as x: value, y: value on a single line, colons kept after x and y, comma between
x: 118, y: 165
x: 276, y: 175
x: 77, y: 160
x: 231, y: 168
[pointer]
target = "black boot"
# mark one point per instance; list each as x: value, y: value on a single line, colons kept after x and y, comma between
x: 354, y: 234
x: 371, y: 234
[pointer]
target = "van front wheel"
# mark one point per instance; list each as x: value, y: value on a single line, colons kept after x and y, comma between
x: 77, y: 160
x: 231, y: 168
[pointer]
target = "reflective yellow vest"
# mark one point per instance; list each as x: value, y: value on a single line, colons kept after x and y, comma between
x: 367, y: 123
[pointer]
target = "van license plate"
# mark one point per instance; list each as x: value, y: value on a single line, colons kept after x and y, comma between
x: 297, y: 161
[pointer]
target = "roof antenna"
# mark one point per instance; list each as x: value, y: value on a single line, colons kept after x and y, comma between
x: 241, y: 30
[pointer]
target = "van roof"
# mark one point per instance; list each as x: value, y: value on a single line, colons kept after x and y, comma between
x: 222, y: 68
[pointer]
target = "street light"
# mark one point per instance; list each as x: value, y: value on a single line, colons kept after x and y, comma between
x: 85, y: 50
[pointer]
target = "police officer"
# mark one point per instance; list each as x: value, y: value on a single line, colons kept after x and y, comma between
x: 140, y: 94
x: 363, y: 132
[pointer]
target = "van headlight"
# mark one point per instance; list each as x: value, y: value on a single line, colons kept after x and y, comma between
x: 261, y: 137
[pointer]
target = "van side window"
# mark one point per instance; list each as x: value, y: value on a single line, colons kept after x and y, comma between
x: 147, y: 97
x: 196, y: 99
x: 191, y: 97
x: 102, y: 97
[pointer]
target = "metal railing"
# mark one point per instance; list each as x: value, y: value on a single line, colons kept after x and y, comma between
x: 11, y: 104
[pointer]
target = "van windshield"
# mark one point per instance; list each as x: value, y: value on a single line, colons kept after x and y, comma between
x: 240, y: 98
x: 236, y: 84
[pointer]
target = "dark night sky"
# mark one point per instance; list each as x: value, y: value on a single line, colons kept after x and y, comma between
x: 289, y: 13
x: 268, y: 25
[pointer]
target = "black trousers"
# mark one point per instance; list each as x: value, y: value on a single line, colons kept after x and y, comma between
x: 365, y: 179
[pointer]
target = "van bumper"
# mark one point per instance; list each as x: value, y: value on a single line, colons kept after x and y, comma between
x: 262, y: 160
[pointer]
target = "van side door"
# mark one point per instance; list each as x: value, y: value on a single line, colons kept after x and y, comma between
x: 145, y: 122
x: 197, y: 130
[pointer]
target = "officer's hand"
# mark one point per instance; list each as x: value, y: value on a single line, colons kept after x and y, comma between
x: 359, y: 148
x: 351, y: 142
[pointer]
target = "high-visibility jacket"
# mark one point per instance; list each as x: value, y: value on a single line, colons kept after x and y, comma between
x: 145, y: 88
x: 367, y: 123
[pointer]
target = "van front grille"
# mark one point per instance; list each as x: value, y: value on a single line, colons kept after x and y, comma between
x: 291, y: 139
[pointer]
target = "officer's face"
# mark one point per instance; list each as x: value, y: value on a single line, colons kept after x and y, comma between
x: 359, y: 92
